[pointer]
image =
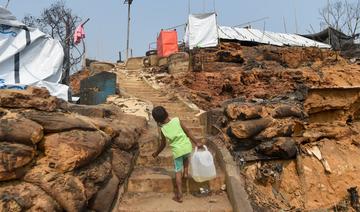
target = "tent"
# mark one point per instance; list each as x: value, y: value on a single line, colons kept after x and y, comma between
x: 30, y: 57
x: 202, y: 31
x: 336, y: 38
x: 347, y: 45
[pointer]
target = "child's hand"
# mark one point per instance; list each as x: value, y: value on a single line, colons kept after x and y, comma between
x: 154, y: 155
x: 199, y: 145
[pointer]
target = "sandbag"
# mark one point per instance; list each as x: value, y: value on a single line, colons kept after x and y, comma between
x: 250, y: 128
x: 22, y: 196
x: 73, y: 149
x: 66, y: 189
x: 38, y: 98
x: 14, y: 128
x: 13, y: 160
x: 57, y: 121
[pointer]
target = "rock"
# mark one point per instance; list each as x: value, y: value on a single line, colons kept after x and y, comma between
x: 250, y: 128
x: 106, y: 195
x: 73, y: 149
x: 284, y: 148
x: 14, y: 159
x: 15, y: 128
x: 22, y: 196
x: 66, y: 189
x: 243, y: 111
x: 121, y: 163
x: 94, y: 175
x: 37, y: 98
x: 58, y: 121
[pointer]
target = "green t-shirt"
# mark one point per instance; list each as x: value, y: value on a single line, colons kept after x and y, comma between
x: 179, y: 142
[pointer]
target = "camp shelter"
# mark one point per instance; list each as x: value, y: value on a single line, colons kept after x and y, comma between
x: 29, y: 56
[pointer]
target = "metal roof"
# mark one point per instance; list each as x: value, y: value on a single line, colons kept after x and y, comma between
x: 266, y: 37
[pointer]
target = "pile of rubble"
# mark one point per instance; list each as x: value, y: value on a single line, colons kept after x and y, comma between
x: 57, y: 156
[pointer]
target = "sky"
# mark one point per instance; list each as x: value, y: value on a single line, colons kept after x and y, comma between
x: 106, y: 30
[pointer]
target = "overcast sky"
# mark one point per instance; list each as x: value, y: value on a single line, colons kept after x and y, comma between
x: 106, y: 31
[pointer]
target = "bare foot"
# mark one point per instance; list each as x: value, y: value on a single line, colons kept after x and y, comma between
x: 178, y: 199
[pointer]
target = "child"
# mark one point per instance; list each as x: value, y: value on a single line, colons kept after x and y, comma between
x: 179, y: 138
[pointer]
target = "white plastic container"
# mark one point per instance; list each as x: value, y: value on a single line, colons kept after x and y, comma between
x: 202, y: 165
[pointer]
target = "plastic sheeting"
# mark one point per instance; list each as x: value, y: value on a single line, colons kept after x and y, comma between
x: 167, y: 43
x: 201, y: 31
x: 266, y: 37
x: 30, y: 57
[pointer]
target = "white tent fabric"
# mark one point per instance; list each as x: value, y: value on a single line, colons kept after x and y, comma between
x: 266, y: 37
x: 201, y: 31
x: 30, y: 57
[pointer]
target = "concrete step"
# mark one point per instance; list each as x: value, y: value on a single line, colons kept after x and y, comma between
x: 156, y: 100
x: 167, y: 105
x: 162, y: 202
x: 165, y: 158
x: 162, y: 180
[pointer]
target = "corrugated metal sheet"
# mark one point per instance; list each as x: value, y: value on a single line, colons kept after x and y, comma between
x: 266, y: 37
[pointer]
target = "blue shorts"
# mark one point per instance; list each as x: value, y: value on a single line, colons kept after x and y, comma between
x: 179, y: 162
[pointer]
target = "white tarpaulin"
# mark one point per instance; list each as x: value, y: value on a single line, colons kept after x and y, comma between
x: 30, y: 57
x: 266, y: 37
x: 201, y: 31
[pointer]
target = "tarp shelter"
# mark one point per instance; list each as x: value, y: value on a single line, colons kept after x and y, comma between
x: 167, y: 43
x: 267, y: 37
x: 347, y: 45
x: 336, y: 38
x: 30, y: 57
x: 201, y: 31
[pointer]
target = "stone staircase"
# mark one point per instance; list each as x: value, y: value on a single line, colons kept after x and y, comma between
x: 151, y: 184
